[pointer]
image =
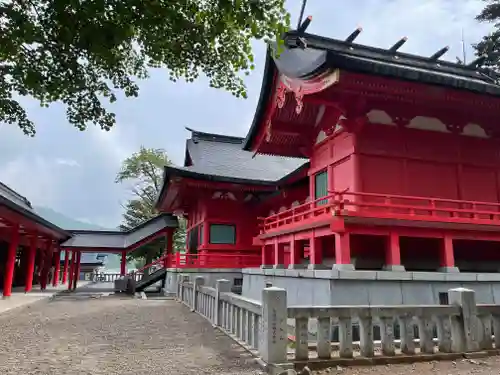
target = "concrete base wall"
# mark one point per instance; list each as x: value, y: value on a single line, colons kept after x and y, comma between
x: 210, y: 275
x: 333, y: 287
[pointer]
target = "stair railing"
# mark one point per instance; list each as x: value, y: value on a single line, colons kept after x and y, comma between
x: 160, y: 261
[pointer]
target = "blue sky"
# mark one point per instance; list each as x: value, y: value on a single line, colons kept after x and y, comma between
x: 73, y: 172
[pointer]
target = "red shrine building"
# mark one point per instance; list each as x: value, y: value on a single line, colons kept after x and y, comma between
x: 35, y: 251
x: 358, y: 158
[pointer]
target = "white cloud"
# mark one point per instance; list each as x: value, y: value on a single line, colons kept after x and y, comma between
x: 112, y: 143
x: 428, y: 24
x: 157, y: 118
x: 32, y: 178
x: 67, y: 162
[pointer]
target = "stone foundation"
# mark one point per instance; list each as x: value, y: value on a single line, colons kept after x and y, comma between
x: 210, y: 275
x: 342, y: 287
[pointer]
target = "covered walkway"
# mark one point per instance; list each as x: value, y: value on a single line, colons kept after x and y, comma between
x: 31, y: 247
x: 121, y: 242
x: 75, y: 333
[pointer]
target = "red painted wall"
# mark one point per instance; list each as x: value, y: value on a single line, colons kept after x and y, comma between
x: 224, y: 211
x: 427, y: 163
x: 335, y: 154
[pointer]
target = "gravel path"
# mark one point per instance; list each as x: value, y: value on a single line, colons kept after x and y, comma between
x: 76, y: 334
x: 483, y: 366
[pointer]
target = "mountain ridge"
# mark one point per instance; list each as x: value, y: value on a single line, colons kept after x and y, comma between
x: 65, y: 222
x: 68, y: 223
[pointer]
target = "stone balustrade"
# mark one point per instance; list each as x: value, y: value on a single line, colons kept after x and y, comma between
x: 444, y: 318
x: 237, y: 316
x: 461, y: 326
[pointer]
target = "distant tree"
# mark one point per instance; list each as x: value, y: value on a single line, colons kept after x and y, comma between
x: 82, y: 52
x: 144, y: 169
x: 489, y: 46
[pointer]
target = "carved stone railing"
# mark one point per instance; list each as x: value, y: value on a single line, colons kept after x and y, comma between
x: 460, y: 327
x: 237, y: 316
x: 426, y: 318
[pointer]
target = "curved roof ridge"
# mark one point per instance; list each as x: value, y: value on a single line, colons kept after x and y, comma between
x: 120, y: 240
x: 15, y: 194
x: 198, y: 135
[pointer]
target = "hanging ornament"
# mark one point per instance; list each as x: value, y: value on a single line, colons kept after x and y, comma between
x: 281, y: 95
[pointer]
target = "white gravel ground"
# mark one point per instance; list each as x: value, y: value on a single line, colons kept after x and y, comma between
x: 77, y: 334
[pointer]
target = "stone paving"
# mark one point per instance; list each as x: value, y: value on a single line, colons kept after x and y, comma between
x: 85, y: 333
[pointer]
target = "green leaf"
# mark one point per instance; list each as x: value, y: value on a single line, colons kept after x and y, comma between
x: 83, y: 53
x: 144, y: 169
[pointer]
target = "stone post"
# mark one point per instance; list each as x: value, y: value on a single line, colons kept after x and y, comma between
x: 183, y: 279
x: 465, y: 329
x: 221, y: 286
x: 198, y: 281
x: 273, y: 331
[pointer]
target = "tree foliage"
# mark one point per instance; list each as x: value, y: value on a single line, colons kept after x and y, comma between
x: 489, y: 46
x: 144, y: 171
x: 83, y: 52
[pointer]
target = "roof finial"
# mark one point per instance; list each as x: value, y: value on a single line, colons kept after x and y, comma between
x: 302, y: 9
x: 398, y: 44
x: 439, y: 53
x: 353, y: 35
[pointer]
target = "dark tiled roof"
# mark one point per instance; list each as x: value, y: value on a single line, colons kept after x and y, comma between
x: 324, y: 52
x: 13, y: 196
x: 90, y: 258
x: 224, y: 156
x: 16, y: 202
x: 120, y: 240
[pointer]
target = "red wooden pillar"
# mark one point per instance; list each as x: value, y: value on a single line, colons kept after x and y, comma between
x: 71, y: 269
x: 57, y: 266
x: 266, y: 256
x: 65, y: 268
x: 170, y: 248
x: 279, y: 254
x: 206, y: 233
x: 315, y: 253
x: 77, y: 269
x: 166, y: 253
x: 47, y: 264
x: 343, y: 251
x: 447, y: 256
x: 123, y: 264
x: 393, y: 253
x: 296, y: 254
x: 10, y: 262
x: 30, y: 265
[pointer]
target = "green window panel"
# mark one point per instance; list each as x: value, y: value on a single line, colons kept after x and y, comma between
x: 222, y: 234
x: 321, y: 187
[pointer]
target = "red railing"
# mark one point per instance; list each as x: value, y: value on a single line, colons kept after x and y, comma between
x: 215, y: 261
x: 158, y: 262
x: 179, y: 260
x: 386, y: 206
